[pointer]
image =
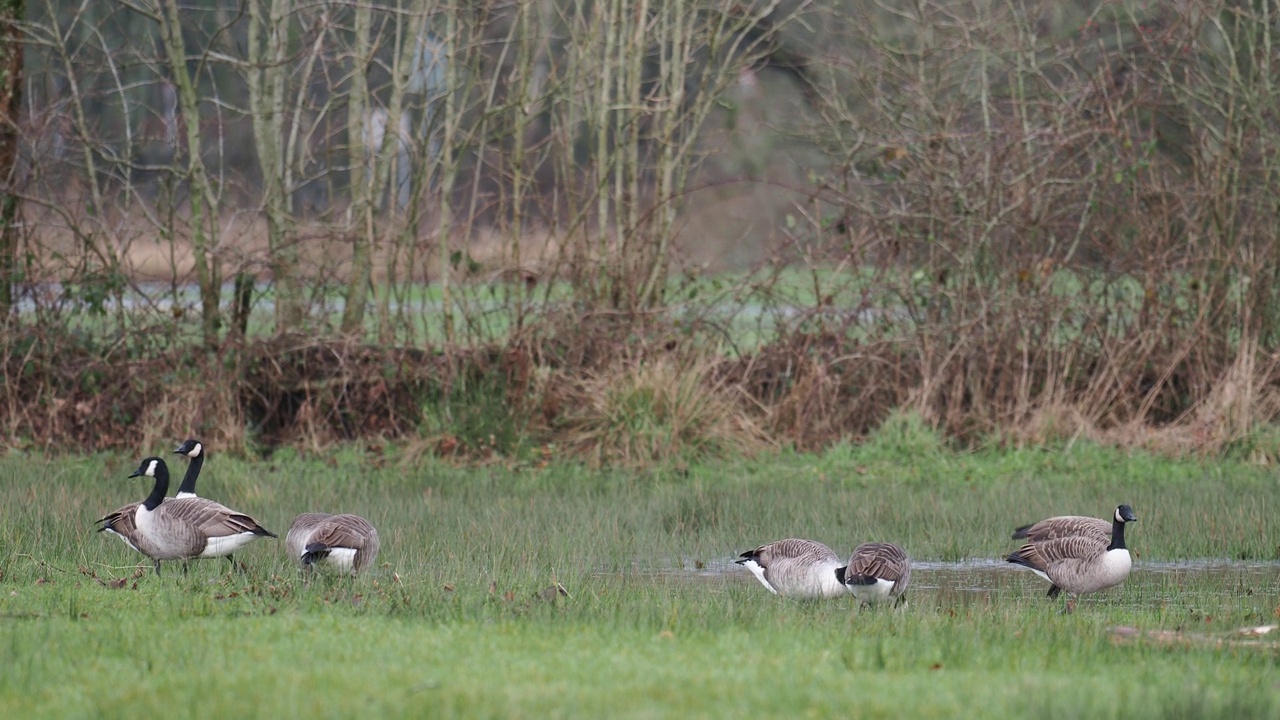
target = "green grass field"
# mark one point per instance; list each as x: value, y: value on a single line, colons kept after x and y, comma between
x: 657, y: 622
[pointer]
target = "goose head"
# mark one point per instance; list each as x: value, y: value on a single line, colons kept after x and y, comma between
x: 1124, y: 514
x: 154, y: 467
x: 191, y: 448
x: 149, y: 467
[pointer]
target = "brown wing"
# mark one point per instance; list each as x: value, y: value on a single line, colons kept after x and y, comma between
x: 1063, y: 526
x: 215, y: 519
x: 808, y: 551
x: 121, y: 520
x: 1043, y: 556
x: 347, y: 531
x: 879, y: 560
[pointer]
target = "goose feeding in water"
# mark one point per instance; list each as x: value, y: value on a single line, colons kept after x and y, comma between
x: 796, y: 568
x: 877, y: 572
x: 1083, y: 563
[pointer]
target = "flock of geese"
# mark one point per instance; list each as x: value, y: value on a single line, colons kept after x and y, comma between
x: 1075, y: 554
x: 186, y: 527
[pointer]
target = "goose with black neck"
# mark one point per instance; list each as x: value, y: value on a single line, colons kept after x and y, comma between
x: 186, y: 528
x: 120, y: 522
x: 1083, y: 563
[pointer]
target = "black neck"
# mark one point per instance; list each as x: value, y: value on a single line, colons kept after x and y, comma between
x: 193, y: 471
x: 161, y: 487
x: 1117, y: 535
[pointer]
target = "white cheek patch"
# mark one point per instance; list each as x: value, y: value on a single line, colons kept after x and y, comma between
x: 195, y: 451
x: 151, y: 469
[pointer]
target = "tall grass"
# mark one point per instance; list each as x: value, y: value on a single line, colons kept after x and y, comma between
x: 445, y: 525
x: 461, y: 615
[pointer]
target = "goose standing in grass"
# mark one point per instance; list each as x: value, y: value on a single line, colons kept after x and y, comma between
x: 1082, y: 563
x: 187, y: 528
x: 120, y: 522
x: 346, y: 543
x: 877, y: 572
x: 797, y: 568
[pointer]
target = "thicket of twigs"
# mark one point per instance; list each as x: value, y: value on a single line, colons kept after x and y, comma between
x: 1024, y: 222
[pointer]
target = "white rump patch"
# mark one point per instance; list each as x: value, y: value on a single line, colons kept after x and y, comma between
x: 226, y: 544
x: 873, y: 593
x: 340, y: 559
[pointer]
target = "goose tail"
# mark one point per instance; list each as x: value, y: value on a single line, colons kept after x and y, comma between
x: 314, y: 553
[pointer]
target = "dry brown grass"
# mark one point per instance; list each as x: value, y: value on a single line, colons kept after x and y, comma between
x: 607, y: 391
x: 657, y: 411
x: 1079, y: 248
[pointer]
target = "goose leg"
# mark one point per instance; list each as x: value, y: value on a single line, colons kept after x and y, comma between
x: 157, y: 563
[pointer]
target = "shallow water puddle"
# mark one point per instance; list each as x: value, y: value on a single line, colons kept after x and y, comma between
x: 984, y: 579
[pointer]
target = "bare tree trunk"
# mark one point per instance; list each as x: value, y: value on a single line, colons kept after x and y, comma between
x: 363, y: 196
x: 269, y: 53
x: 203, y: 202
x: 449, y: 175
x: 11, y: 12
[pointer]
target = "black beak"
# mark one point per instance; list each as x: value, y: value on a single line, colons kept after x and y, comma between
x: 137, y: 473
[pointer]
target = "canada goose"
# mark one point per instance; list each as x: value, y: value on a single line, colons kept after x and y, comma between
x: 120, y: 522
x: 878, y: 571
x: 186, y: 528
x: 797, y: 568
x: 347, y: 543
x: 1080, y: 563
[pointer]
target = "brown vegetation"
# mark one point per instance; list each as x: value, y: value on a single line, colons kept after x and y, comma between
x: 1024, y: 224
